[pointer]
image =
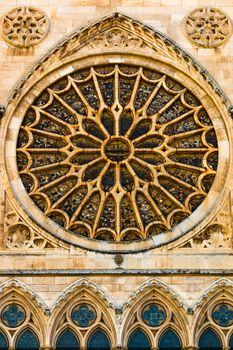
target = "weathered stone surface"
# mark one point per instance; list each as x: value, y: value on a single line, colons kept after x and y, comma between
x: 47, y: 276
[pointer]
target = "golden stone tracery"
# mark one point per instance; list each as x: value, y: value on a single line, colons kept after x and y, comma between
x: 130, y: 138
x: 208, y: 27
x: 24, y: 26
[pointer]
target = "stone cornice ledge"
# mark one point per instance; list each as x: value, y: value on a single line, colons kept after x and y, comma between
x: 117, y: 271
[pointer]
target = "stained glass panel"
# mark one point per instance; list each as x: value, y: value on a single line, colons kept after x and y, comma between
x: 169, y: 340
x: 223, y: 315
x: 83, y: 315
x: 67, y: 341
x: 138, y: 340
x: 231, y: 343
x: 13, y: 315
x: 3, y: 342
x: 95, y: 144
x: 209, y: 340
x: 98, y: 341
x: 27, y: 340
x: 153, y: 315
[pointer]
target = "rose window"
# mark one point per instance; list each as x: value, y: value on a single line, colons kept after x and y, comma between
x: 117, y: 153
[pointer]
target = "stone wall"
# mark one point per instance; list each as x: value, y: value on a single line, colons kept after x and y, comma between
x: 188, y: 269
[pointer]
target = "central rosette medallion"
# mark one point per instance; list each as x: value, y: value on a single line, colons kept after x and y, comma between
x: 117, y: 149
x: 117, y: 153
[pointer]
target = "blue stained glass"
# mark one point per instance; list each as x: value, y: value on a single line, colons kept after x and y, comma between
x: 67, y: 340
x: 209, y: 340
x: 98, y: 341
x: 223, y: 315
x: 139, y: 341
x: 231, y: 342
x: 13, y: 315
x: 154, y: 315
x: 169, y: 340
x: 3, y: 342
x: 27, y: 340
x: 83, y: 315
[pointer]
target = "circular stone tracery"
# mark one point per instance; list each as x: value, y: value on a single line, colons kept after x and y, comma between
x: 24, y: 26
x: 222, y: 314
x: 13, y: 315
x: 117, y: 152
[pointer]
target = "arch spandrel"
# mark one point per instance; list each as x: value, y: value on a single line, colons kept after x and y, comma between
x: 123, y: 41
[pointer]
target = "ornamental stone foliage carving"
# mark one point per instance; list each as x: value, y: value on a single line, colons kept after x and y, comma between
x: 208, y: 27
x: 218, y: 234
x: 116, y: 38
x: 20, y: 236
x: 214, y: 236
x: 114, y: 150
x: 24, y: 26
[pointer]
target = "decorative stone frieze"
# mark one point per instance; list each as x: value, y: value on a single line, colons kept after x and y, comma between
x: 24, y: 26
x: 208, y: 27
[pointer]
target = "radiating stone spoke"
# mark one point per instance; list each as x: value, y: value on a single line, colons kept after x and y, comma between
x: 117, y: 152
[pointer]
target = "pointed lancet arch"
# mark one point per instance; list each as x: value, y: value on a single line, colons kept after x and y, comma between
x: 83, y: 292
x: 14, y: 291
x: 217, y: 293
x: 84, y: 284
x: 25, y: 291
x: 160, y: 287
x: 158, y: 293
x: 212, y: 291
